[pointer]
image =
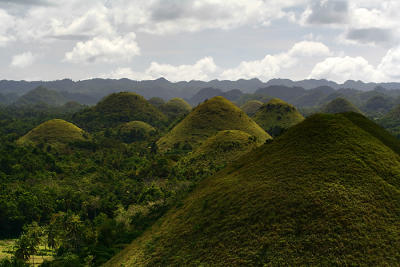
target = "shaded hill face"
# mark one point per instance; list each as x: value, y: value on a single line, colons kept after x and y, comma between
x: 339, y: 105
x: 117, y: 109
x: 391, y: 121
x: 156, y: 101
x: 313, y: 97
x: 324, y: 193
x: 217, y: 151
x: 251, y: 107
x: 53, y: 132
x: 277, y: 116
x: 378, y: 104
x: 206, y: 120
x: 175, y: 108
x: 41, y: 95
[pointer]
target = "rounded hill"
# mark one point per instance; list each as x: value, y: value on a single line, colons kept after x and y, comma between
x: 277, y: 116
x: 117, y: 109
x: 251, y: 107
x: 53, y: 132
x: 210, y: 117
x: 135, y: 131
x: 339, y: 105
x: 325, y: 193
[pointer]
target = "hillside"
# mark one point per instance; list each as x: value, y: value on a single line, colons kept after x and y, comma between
x: 324, y: 193
x: 175, y: 108
x: 117, y: 109
x: 53, y: 132
x: 217, y: 151
x: 135, y: 131
x: 210, y: 117
x: 41, y: 95
x: 339, y: 105
x: 277, y: 116
x: 251, y: 107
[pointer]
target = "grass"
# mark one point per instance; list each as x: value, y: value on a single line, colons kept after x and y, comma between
x: 277, y: 116
x: 327, y: 192
x: 210, y: 117
x: 7, y: 250
x: 53, y: 132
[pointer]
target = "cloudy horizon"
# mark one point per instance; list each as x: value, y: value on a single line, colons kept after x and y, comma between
x: 200, y: 39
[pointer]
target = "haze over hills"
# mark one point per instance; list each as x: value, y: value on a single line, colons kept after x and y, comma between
x: 95, y: 89
x: 324, y: 193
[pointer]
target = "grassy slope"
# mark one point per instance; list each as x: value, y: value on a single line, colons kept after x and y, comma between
x: 212, y: 116
x: 339, y: 105
x: 251, y: 107
x: 137, y: 125
x: 53, y: 132
x: 220, y: 149
x: 277, y: 114
x: 119, y: 108
x: 324, y: 193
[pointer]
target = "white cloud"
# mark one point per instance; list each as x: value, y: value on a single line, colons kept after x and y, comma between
x: 341, y: 69
x: 390, y: 64
x: 104, y: 49
x: 23, y: 60
x: 271, y: 65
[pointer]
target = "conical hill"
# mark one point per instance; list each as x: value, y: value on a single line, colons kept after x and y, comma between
x: 324, y: 193
x: 210, y: 117
x: 53, y: 132
x: 277, y: 116
x: 117, y: 109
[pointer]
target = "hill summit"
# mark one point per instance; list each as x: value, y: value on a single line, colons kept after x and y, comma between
x: 41, y: 95
x: 176, y: 107
x: 53, y: 132
x: 326, y: 192
x: 117, y: 109
x: 277, y: 116
x: 210, y: 117
x: 340, y: 105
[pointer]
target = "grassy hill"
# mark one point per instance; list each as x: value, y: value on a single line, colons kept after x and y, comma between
x: 135, y: 131
x: 391, y: 121
x: 251, y: 107
x: 218, y: 150
x: 117, y: 109
x: 210, y: 117
x: 41, y: 95
x: 53, y: 132
x: 325, y: 193
x: 175, y: 108
x: 277, y: 116
x: 339, y: 105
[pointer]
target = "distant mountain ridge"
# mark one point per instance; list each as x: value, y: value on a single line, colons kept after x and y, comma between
x: 95, y: 89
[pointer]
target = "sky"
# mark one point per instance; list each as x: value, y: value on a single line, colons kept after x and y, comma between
x: 200, y: 39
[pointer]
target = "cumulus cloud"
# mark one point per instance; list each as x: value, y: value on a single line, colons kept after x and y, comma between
x: 271, y: 65
x: 345, y: 68
x: 370, y: 36
x: 102, y: 49
x: 23, y: 60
